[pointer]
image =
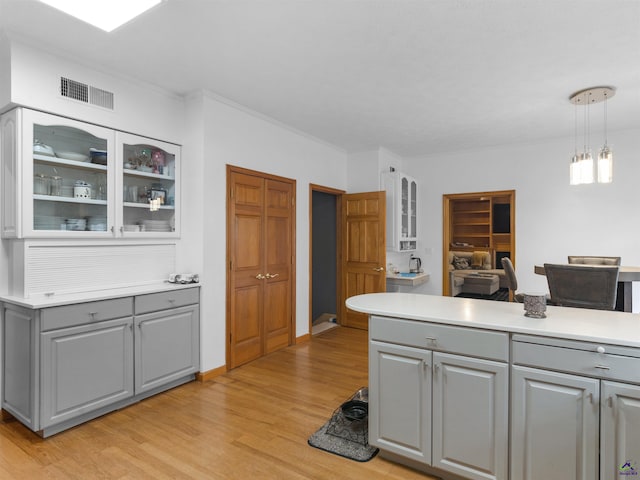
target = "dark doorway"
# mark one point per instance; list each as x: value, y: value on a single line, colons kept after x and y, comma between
x: 324, y: 263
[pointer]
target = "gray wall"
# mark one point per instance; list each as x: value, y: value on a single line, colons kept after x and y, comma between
x: 323, y: 297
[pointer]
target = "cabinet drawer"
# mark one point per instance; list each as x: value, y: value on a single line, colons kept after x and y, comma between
x: 445, y: 338
x: 581, y: 362
x: 89, y: 312
x: 163, y: 300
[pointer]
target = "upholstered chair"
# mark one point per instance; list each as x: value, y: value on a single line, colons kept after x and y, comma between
x: 589, y: 260
x: 583, y: 286
x: 512, y: 281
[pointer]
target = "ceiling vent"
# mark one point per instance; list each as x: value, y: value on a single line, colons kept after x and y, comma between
x: 86, y: 93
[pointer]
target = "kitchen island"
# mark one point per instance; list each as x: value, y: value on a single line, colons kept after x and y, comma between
x: 464, y: 388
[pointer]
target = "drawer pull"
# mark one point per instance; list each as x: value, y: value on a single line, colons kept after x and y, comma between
x: 431, y: 339
x: 92, y: 314
x: 171, y: 300
x: 602, y: 367
x: 600, y: 350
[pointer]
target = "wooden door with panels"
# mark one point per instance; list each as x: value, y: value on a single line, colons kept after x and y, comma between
x: 260, y: 251
x: 363, y: 250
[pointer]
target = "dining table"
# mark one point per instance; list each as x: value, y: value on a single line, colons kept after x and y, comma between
x: 626, y: 276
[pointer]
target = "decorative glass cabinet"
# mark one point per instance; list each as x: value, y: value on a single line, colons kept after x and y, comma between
x: 65, y: 178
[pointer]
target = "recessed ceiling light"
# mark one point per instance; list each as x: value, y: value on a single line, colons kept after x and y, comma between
x: 105, y: 14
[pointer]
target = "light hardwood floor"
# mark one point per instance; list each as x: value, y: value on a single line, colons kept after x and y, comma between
x: 251, y: 423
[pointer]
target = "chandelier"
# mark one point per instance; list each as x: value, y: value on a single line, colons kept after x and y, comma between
x: 582, y: 168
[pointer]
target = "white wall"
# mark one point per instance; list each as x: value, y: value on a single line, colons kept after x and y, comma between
x: 236, y: 136
x: 553, y: 219
x: 138, y: 108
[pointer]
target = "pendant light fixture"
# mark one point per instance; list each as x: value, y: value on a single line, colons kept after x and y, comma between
x: 581, y: 169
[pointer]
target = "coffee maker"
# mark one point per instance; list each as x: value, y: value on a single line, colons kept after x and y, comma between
x: 414, y: 264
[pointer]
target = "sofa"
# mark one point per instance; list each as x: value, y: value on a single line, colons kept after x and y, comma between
x: 462, y: 264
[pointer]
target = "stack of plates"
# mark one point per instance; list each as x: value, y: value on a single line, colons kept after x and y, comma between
x: 131, y: 228
x: 156, y: 225
x: 97, y: 224
x: 46, y: 222
x: 77, y: 224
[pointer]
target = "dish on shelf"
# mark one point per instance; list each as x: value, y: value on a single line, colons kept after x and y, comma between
x: 98, y: 156
x: 78, y: 157
x: 42, y: 149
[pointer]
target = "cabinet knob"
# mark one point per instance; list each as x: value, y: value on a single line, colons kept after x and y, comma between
x: 600, y: 350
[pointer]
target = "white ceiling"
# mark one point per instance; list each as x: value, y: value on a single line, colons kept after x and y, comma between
x: 413, y: 76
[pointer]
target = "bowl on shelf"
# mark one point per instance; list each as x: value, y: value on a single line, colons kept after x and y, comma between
x: 78, y: 157
x: 98, y: 156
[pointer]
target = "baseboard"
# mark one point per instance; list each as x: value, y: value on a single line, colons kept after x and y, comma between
x: 211, y: 374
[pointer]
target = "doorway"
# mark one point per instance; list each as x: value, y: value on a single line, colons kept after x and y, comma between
x: 324, y: 258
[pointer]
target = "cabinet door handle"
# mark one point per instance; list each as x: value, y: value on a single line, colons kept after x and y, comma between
x: 590, y: 397
x: 113, y: 229
x: 610, y: 401
x: 260, y: 276
x: 602, y: 367
x: 378, y: 269
x: 270, y: 275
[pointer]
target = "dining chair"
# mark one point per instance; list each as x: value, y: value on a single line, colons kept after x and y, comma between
x: 512, y: 281
x: 591, y: 260
x: 583, y: 286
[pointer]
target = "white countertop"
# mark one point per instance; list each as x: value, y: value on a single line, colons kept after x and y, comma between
x: 42, y: 301
x: 616, y: 328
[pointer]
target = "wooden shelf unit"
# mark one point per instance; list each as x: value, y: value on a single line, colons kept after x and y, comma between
x: 479, y: 221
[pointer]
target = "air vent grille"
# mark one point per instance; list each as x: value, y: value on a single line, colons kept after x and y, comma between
x: 76, y: 90
x: 86, y: 93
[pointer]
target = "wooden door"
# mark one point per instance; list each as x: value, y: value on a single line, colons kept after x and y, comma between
x: 260, y: 246
x: 363, y: 250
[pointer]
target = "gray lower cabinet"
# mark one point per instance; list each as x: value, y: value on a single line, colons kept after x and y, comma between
x: 443, y: 410
x: 85, y: 368
x: 572, y: 414
x: 400, y: 400
x: 619, y: 430
x: 554, y: 425
x: 67, y: 364
x: 166, y: 346
x: 470, y: 416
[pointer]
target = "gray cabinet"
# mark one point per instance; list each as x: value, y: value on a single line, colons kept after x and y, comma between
x: 85, y: 368
x: 400, y: 400
x: 67, y: 364
x: 554, y: 425
x: 166, y: 347
x: 619, y: 429
x: 571, y: 414
x: 448, y: 411
x: 470, y: 416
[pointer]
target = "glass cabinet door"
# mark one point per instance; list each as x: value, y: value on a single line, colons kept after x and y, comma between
x: 149, y: 186
x: 69, y: 177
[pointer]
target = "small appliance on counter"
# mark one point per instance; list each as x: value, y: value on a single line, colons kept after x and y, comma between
x: 415, y: 264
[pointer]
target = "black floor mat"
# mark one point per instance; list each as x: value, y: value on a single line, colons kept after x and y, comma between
x: 344, y: 437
